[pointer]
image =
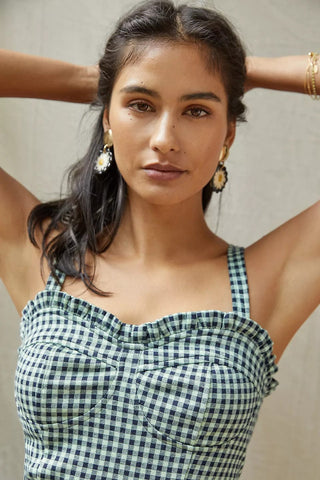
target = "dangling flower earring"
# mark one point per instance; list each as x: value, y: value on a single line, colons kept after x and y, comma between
x: 220, y: 176
x: 105, y: 158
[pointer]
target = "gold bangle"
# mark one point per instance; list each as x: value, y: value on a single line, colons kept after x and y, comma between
x: 310, y: 85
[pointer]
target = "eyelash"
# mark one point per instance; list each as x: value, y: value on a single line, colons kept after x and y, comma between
x: 136, y: 106
x: 201, y: 109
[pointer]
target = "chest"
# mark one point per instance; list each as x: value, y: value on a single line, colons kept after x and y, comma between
x: 140, y: 295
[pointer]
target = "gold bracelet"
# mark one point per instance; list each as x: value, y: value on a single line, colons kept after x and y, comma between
x: 310, y: 85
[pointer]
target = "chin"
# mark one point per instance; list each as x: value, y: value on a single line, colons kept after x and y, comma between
x: 168, y: 198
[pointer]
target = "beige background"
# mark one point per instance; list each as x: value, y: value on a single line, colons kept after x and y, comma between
x: 273, y: 171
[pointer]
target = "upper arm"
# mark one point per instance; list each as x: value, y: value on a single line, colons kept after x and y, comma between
x: 16, y: 202
x: 284, y: 275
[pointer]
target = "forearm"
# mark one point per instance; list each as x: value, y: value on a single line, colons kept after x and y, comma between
x: 282, y: 73
x: 30, y: 76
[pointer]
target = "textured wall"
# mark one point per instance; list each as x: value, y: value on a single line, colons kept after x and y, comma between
x: 273, y: 171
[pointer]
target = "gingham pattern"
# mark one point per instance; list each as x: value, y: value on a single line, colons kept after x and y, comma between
x: 172, y: 399
x: 238, y: 281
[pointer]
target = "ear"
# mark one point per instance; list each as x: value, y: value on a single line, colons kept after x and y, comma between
x: 231, y: 133
x: 105, y: 120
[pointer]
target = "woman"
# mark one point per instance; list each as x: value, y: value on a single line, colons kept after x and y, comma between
x: 131, y: 239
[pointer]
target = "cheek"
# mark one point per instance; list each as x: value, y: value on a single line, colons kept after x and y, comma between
x: 126, y: 137
x: 127, y: 155
x: 122, y: 145
x: 122, y: 155
x: 208, y: 158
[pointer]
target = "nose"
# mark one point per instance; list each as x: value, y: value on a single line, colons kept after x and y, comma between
x: 164, y: 137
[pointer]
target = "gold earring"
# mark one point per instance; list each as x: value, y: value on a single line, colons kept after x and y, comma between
x: 220, y: 177
x: 105, y: 157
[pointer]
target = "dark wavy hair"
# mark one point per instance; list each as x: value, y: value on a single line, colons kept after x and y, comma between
x: 87, y: 219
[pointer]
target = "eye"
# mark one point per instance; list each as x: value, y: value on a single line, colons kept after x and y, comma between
x: 140, y: 106
x: 197, y: 112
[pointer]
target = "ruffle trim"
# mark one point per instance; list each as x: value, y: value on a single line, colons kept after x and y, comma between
x: 96, y: 317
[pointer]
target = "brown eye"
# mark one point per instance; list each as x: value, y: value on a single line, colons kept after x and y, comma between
x: 140, y: 107
x: 197, y: 112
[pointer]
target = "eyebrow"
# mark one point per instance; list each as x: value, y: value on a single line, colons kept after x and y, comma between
x: 201, y: 96
x: 184, y: 98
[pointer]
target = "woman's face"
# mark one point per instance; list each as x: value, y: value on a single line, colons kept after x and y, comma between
x: 168, y: 115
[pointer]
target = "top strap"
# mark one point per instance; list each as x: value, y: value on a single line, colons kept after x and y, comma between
x: 238, y: 280
x: 52, y: 283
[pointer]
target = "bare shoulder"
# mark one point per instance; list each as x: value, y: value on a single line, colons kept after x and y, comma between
x: 284, y: 275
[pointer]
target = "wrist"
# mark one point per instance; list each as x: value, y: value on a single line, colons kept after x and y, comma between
x: 250, y: 77
x: 277, y: 73
x: 91, y: 75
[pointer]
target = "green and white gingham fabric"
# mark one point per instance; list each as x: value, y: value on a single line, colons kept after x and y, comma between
x: 172, y: 399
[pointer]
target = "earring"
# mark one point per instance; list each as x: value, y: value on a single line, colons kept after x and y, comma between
x: 220, y: 176
x: 105, y: 158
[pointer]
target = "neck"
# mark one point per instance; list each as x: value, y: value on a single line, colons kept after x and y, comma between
x: 157, y: 233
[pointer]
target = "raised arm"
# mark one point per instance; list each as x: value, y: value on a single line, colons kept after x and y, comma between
x: 30, y: 76
x: 288, y: 290
x: 282, y: 73
x: 33, y: 77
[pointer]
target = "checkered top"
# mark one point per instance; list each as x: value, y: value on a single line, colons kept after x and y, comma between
x: 172, y: 399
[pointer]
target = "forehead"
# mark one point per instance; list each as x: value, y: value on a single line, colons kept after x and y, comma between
x: 169, y: 66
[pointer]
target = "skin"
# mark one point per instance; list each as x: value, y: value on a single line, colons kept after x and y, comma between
x: 164, y: 127
x: 164, y: 258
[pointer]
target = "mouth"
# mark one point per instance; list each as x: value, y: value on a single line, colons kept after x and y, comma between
x: 163, y: 167
x: 163, y: 171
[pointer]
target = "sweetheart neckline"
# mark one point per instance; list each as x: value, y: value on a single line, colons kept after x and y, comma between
x: 105, y: 312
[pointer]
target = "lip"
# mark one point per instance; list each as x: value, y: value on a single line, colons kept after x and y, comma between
x: 157, y: 174
x: 163, y: 167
